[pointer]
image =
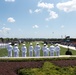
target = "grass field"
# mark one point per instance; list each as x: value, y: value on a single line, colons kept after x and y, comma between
x: 3, y: 52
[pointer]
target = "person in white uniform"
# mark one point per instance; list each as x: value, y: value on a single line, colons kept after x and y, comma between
x: 37, y: 50
x: 24, y: 50
x: 31, y: 50
x: 52, y: 49
x: 44, y: 49
x: 57, y: 50
x: 9, y: 48
x: 16, y: 51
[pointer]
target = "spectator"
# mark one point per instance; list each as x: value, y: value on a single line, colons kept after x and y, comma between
x: 68, y: 52
x: 75, y: 46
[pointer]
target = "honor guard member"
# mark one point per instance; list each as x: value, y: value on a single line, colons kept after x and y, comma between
x: 9, y: 48
x: 31, y: 50
x: 37, y: 50
x: 44, y: 50
x: 16, y: 51
x: 57, y: 50
x: 24, y: 50
x: 52, y: 49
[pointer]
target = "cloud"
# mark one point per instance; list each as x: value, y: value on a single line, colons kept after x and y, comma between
x: 45, y: 5
x: 35, y: 11
x: 67, y: 6
x: 5, y: 30
x: 48, y: 7
x: 38, y: 10
x: 9, y: 0
x: 10, y: 19
x: 30, y: 11
x: 52, y: 15
x: 35, y: 26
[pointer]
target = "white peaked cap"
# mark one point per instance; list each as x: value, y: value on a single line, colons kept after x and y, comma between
x: 23, y: 44
x: 56, y: 44
x: 44, y: 44
x: 9, y: 43
x: 15, y: 44
x: 37, y: 43
x: 30, y: 43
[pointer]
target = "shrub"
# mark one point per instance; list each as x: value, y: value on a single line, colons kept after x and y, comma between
x: 49, y: 69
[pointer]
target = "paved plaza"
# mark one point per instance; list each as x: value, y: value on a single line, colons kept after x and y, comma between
x: 70, y: 47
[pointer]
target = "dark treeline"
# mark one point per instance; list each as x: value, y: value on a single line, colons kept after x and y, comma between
x: 47, y: 40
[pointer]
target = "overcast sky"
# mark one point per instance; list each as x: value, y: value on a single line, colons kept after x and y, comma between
x: 37, y: 18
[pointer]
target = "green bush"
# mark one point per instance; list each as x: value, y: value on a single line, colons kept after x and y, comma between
x: 49, y: 69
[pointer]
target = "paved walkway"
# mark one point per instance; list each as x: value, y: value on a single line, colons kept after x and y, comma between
x: 70, y: 47
x: 61, y: 56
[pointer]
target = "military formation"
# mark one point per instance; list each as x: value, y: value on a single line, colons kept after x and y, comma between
x: 33, y: 51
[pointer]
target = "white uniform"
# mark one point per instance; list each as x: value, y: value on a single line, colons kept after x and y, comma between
x: 31, y: 51
x: 16, y: 51
x: 52, y: 49
x: 47, y: 51
x: 9, y: 48
x: 24, y: 50
x: 57, y: 50
x: 37, y: 50
x: 44, y: 50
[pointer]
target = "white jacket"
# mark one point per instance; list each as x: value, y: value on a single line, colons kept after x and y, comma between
x: 24, y: 49
x: 9, y: 48
x: 16, y: 49
x: 30, y: 48
x: 37, y: 47
x: 44, y: 48
x: 57, y: 48
x: 52, y: 48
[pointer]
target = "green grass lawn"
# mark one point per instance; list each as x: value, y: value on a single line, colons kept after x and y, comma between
x: 3, y: 52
